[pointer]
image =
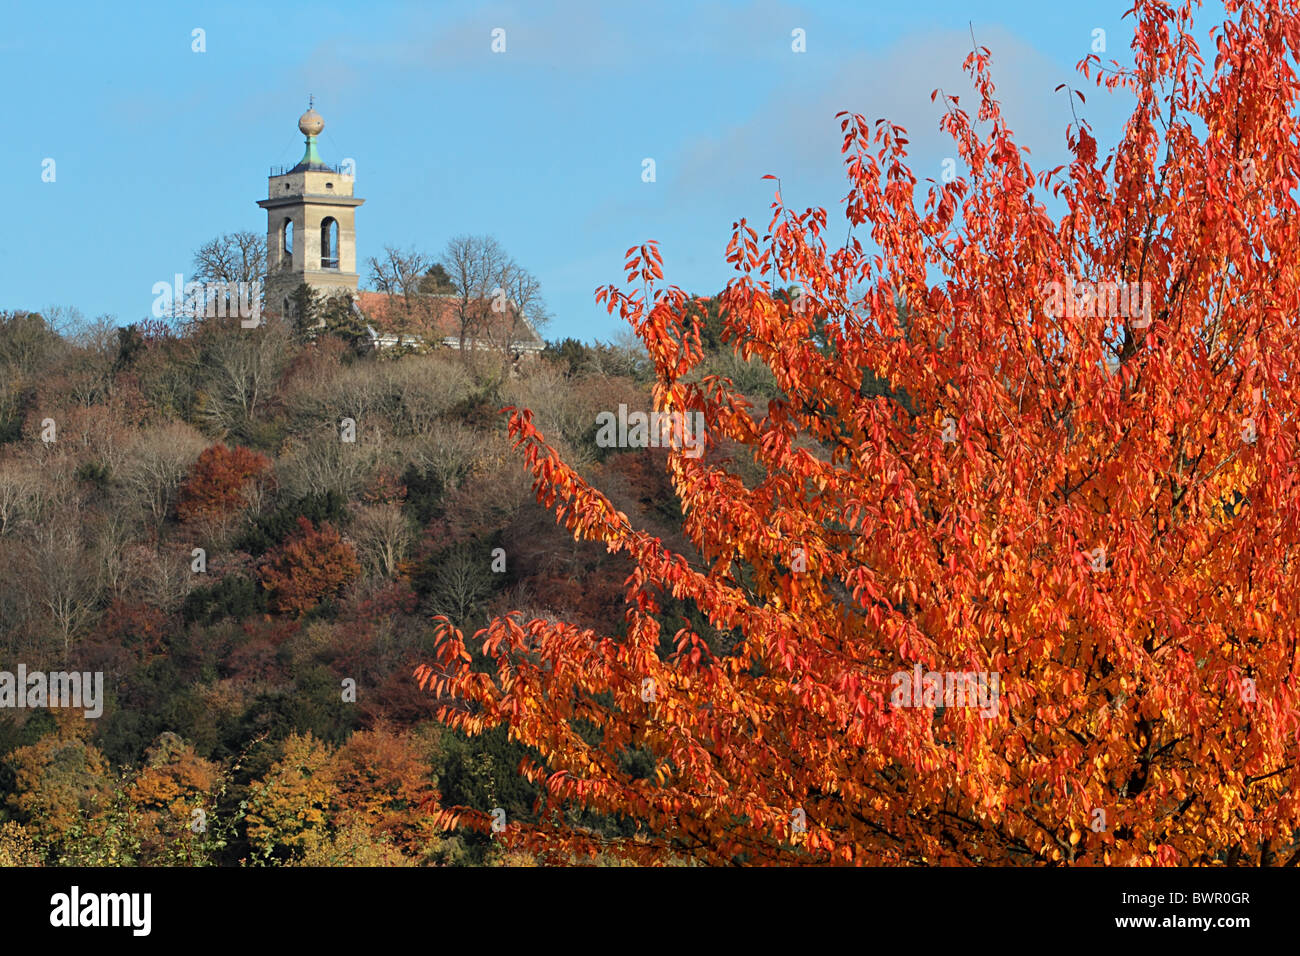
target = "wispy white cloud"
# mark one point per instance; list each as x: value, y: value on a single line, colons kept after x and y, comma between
x: 586, y: 34
x: 794, y: 133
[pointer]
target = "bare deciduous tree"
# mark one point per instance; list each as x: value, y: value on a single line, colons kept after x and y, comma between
x: 495, y: 302
x: 524, y: 312
x: 231, y: 261
x: 67, y: 577
x: 112, y: 536
x: 233, y: 257
x: 398, y: 274
x: 462, y: 578
x: 478, y: 267
x: 498, y: 303
x: 239, y: 368
x: 449, y: 451
x: 323, y: 463
x: 163, y: 578
x: 427, y: 386
x: 398, y: 271
x: 159, y: 460
x: 64, y: 320
x: 383, y: 537
x: 18, y: 481
x: 560, y: 411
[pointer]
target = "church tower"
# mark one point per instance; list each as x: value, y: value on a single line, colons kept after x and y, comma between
x: 310, y: 232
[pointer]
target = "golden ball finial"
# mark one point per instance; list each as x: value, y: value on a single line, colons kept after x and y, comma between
x: 310, y: 123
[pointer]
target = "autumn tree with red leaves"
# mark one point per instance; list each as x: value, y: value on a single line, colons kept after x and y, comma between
x: 220, y: 482
x: 1095, y: 504
x: 312, y: 565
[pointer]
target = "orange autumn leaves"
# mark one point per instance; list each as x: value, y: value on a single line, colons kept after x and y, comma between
x: 220, y: 482
x: 312, y: 565
x: 952, y: 517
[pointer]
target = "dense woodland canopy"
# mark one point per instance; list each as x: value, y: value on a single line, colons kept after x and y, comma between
x: 325, y: 561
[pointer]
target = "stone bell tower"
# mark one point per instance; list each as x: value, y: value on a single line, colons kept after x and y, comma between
x: 310, y: 232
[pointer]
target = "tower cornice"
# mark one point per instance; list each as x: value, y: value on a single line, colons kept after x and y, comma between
x: 315, y: 199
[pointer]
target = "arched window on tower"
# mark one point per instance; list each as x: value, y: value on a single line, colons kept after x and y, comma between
x: 286, y: 239
x: 329, y: 243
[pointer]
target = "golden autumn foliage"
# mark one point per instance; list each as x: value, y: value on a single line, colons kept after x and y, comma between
x: 60, y: 783
x: 173, y: 784
x: 1093, y: 502
x: 76, y: 810
x: 290, y: 806
x: 368, y: 803
x: 352, y: 844
x: 17, y: 848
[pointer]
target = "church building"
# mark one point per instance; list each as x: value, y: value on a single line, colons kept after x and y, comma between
x: 311, y: 238
x: 310, y: 233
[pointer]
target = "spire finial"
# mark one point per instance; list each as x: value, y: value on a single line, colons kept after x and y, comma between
x: 311, y: 101
x: 310, y: 123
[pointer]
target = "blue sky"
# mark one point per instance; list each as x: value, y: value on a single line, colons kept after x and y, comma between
x: 159, y: 148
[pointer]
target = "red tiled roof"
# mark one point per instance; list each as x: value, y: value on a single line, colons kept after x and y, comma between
x: 435, y: 318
